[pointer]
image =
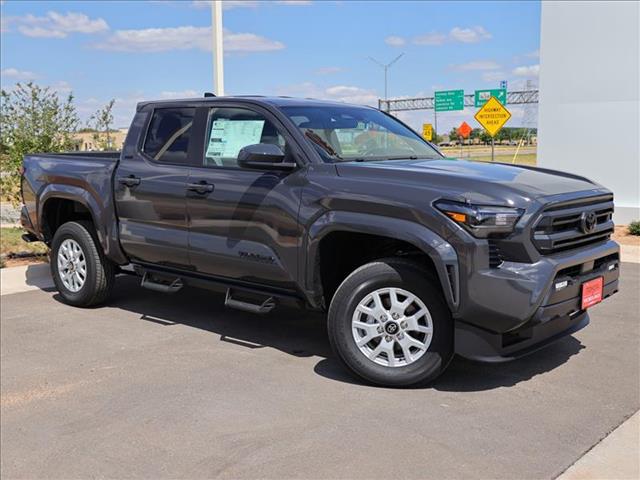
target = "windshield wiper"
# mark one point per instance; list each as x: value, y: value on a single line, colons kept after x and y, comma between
x: 317, y: 139
x: 381, y: 158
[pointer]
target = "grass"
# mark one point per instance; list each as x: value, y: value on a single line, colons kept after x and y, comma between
x: 11, y: 243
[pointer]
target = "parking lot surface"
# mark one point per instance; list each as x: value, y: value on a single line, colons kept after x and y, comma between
x: 155, y: 386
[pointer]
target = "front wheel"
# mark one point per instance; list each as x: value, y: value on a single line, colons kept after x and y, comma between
x: 389, y: 324
x: 81, y: 273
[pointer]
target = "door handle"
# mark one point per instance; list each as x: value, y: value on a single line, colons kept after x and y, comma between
x: 130, y: 181
x: 200, y: 187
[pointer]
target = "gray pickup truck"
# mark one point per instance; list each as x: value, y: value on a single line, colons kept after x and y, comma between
x: 336, y: 208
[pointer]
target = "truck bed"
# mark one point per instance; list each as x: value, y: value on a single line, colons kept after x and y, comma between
x: 112, y: 156
x: 84, y: 177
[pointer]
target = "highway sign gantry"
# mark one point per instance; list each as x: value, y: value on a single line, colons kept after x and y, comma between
x: 482, y: 96
x: 449, y: 100
x: 492, y: 116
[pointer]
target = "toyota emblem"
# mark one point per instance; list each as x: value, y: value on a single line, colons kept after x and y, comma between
x: 588, y: 222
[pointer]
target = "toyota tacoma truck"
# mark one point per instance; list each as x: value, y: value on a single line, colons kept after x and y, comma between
x: 336, y: 208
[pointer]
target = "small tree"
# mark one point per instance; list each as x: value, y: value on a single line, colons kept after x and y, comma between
x: 101, y: 124
x: 32, y: 119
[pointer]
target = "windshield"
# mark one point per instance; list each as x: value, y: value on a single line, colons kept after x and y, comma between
x: 358, y: 134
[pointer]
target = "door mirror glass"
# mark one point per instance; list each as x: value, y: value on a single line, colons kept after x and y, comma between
x: 264, y: 156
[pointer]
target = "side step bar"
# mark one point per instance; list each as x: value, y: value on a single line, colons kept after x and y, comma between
x: 29, y: 237
x: 160, y: 284
x: 265, y: 307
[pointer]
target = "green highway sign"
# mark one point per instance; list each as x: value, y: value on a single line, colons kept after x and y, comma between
x: 449, y: 100
x: 482, y: 96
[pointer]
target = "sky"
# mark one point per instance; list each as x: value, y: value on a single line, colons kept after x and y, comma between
x: 141, y: 50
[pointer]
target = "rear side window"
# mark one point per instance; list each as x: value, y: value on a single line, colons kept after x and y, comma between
x: 168, y: 136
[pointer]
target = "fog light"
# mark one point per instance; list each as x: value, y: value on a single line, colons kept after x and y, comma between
x: 561, y: 285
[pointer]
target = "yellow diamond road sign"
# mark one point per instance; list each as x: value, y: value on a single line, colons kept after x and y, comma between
x: 492, y: 116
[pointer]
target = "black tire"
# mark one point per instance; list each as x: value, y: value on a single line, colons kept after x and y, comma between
x: 100, y: 275
x: 409, y: 276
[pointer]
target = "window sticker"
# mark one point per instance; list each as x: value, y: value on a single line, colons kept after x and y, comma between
x: 228, y: 137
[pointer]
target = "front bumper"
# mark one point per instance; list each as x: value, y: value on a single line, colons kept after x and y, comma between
x: 518, y: 308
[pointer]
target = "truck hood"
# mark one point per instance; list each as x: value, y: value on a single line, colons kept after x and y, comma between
x: 473, y: 181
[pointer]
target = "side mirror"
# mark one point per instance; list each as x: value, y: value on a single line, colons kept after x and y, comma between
x: 263, y: 156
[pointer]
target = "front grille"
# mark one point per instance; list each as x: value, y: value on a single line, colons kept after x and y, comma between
x: 561, y: 226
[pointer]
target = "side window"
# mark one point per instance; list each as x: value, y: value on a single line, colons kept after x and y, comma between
x: 168, y: 136
x: 231, y: 129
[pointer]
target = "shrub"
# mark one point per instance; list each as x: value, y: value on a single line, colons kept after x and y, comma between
x: 634, y: 228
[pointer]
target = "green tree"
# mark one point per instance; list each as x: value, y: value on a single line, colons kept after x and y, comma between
x: 101, y: 124
x: 32, y: 119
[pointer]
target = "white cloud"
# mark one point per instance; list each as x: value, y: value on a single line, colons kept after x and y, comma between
x: 56, y: 25
x: 527, y: 71
x: 493, y: 76
x: 431, y: 39
x: 328, y: 70
x: 340, y: 93
x: 534, y: 54
x: 456, y: 34
x: 476, y: 65
x: 179, y: 94
x: 185, y: 38
x: 16, y: 74
x: 395, y: 41
x: 230, y: 4
x: 469, y: 35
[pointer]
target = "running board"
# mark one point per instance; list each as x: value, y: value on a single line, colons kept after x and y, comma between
x: 265, y: 307
x: 160, y: 284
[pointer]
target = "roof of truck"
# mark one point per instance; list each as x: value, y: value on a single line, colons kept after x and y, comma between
x: 281, y: 101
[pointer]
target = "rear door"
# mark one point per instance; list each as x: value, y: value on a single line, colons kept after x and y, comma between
x: 243, y: 223
x: 150, y: 186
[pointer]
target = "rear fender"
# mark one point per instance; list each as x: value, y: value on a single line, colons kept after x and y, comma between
x: 102, y: 214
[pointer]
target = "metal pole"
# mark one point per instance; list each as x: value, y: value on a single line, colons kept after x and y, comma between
x: 216, y: 33
x: 386, y: 93
x: 435, y: 126
x: 493, y: 157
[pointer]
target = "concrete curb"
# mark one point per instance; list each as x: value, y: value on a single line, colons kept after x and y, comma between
x: 611, y: 458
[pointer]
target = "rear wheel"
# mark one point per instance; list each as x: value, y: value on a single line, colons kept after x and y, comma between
x: 390, y: 325
x: 81, y: 273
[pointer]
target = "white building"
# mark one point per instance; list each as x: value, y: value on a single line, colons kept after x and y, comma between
x: 589, y: 112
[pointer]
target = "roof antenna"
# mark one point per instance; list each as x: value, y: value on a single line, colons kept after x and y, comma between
x: 208, y: 94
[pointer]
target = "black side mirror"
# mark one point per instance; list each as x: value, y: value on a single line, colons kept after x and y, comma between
x: 263, y: 156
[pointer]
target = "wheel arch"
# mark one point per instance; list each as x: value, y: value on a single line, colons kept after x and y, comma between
x: 412, y: 238
x: 62, y: 203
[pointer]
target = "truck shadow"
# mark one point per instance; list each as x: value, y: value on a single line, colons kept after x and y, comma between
x: 303, y: 334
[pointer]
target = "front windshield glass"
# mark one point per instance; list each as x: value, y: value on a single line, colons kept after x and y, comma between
x: 358, y: 134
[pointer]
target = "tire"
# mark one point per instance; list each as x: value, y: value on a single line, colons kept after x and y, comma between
x: 99, y: 272
x: 409, y: 365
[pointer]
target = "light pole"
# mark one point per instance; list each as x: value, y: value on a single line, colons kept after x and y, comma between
x: 216, y: 37
x: 385, y: 67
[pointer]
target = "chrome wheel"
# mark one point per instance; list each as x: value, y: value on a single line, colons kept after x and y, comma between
x: 392, y: 327
x: 72, y: 265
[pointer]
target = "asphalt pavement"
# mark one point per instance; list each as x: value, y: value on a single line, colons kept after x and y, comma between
x: 156, y: 386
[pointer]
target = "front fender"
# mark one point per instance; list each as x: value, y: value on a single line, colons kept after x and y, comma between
x: 439, y: 250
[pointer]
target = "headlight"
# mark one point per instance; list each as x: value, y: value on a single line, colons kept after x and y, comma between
x: 480, y: 220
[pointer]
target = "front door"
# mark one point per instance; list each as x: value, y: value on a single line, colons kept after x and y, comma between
x: 150, y: 186
x: 243, y: 223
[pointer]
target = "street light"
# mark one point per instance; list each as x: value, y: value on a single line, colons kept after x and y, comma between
x: 216, y: 37
x: 385, y: 67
